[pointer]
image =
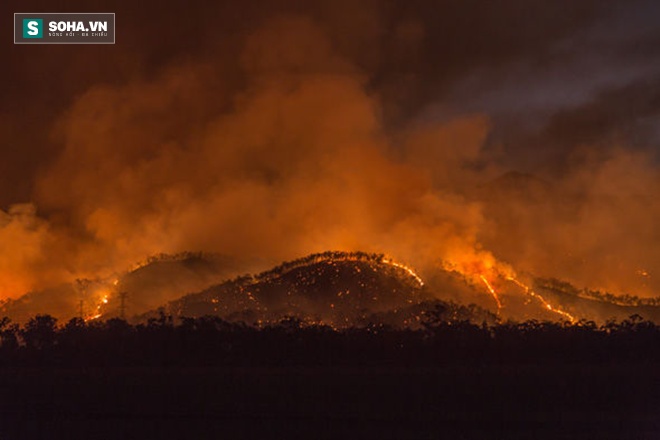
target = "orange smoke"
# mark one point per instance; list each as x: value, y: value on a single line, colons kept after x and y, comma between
x: 299, y: 160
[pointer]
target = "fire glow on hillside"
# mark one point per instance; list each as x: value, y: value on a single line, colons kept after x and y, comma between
x: 353, y: 279
x: 328, y: 127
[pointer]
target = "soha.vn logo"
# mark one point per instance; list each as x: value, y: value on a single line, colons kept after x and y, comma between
x: 33, y: 28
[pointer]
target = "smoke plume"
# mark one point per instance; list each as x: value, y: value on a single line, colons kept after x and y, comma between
x: 289, y: 137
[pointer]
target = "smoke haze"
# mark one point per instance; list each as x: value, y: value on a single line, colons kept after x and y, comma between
x: 281, y: 130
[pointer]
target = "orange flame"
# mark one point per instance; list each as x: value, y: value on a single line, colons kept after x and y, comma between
x: 493, y: 293
x: 483, y: 266
x: 542, y: 300
x: 406, y: 268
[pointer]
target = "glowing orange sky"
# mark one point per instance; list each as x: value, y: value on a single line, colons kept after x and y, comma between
x: 339, y: 125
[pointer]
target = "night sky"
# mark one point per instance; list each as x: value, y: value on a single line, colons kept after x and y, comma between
x: 268, y: 130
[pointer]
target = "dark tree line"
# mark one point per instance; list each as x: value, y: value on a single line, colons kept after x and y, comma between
x: 622, y: 300
x: 443, y: 339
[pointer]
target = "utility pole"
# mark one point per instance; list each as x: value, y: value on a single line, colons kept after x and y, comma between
x: 122, y: 305
x: 82, y: 285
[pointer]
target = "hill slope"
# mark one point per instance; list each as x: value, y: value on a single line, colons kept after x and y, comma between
x: 334, y: 288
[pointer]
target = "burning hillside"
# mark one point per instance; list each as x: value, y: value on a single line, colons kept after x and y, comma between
x: 336, y: 288
x: 149, y: 284
x: 355, y: 288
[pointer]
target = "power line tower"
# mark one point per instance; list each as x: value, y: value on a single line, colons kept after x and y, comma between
x: 122, y: 305
x: 82, y: 285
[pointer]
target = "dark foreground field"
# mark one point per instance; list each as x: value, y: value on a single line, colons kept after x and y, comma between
x: 454, y: 402
x: 206, y: 378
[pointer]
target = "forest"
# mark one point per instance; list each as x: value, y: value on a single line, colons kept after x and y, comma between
x: 445, y: 336
x: 204, y: 377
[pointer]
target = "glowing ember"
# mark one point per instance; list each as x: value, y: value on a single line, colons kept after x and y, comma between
x: 406, y: 268
x: 643, y: 273
x: 493, y: 293
x: 481, y: 267
x: 542, y: 300
x: 97, y: 310
x: 485, y: 267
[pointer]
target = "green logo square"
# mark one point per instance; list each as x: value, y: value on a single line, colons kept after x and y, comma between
x: 33, y: 28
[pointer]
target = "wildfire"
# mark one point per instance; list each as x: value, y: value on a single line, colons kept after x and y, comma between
x: 406, y: 268
x: 97, y: 311
x: 478, y: 267
x: 493, y: 293
x: 484, y: 267
x: 542, y: 300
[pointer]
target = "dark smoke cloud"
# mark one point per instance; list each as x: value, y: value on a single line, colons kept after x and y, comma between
x: 277, y: 129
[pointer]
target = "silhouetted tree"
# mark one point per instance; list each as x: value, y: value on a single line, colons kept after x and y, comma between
x: 9, y: 336
x: 40, y: 332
